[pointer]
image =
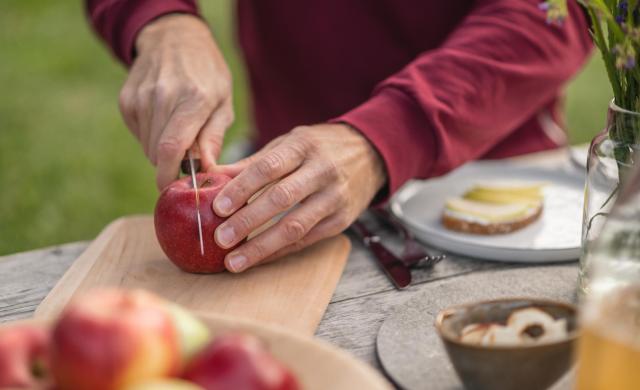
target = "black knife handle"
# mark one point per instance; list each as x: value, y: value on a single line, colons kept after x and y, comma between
x: 185, y: 167
x: 395, y: 269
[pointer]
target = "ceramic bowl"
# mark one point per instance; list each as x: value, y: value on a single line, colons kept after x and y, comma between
x: 521, y: 367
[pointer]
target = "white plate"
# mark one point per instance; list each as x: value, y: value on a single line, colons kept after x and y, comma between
x: 553, y: 237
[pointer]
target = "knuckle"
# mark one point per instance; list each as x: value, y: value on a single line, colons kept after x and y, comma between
x: 269, y: 165
x: 293, y: 230
x: 161, y: 92
x: 126, y: 100
x: 282, y: 196
x: 238, y: 190
x: 243, y: 223
x: 169, y: 147
x: 329, y: 171
x: 145, y: 91
x: 228, y: 117
x: 198, y: 94
x: 225, y: 84
x: 257, y: 250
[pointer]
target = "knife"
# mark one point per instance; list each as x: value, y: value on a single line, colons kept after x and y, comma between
x: 192, y: 171
x: 395, y: 269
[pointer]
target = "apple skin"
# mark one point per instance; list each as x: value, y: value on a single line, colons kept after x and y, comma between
x: 164, y: 384
x: 177, y: 225
x: 24, y: 348
x: 109, y: 339
x: 238, y: 361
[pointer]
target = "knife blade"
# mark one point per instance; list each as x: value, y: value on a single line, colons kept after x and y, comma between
x: 192, y: 169
x: 395, y: 269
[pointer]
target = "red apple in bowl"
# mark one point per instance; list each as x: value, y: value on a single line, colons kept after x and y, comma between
x: 24, y: 360
x: 110, y: 339
x: 238, y: 361
x: 176, y: 223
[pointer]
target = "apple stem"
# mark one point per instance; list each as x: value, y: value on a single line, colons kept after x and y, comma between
x: 205, y: 183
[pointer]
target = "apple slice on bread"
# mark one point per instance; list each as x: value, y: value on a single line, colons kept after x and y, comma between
x: 494, y: 208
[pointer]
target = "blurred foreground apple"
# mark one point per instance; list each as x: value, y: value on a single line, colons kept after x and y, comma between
x: 165, y: 384
x: 23, y: 356
x: 177, y: 225
x: 238, y: 361
x: 110, y: 339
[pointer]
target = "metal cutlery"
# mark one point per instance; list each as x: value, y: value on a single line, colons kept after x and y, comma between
x: 394, y: 267
x: 413, y: 253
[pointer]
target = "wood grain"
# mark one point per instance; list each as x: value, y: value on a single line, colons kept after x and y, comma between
x: 292, y: 292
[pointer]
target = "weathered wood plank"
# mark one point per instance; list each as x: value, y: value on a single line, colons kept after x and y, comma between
x: 26, y: 278
x: 353, y: 324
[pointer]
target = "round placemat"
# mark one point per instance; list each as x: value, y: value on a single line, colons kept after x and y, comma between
x: 408, y: 346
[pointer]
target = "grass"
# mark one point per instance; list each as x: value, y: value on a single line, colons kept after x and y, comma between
x: 68, y: 166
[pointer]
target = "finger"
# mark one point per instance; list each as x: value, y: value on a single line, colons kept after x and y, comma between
x: 272, y: 166
x: 328, y: 227
x: 290, y: 229
x: 237, y: 167
x: 164, y: 104
x: 144, y: 113
x: 212, y: 134
x: 126, y: 103
x: 278, y: 198
x: 178, y: 135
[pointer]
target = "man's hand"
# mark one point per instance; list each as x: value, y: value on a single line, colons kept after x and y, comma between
x: 178, y: 94
x: 330, y: 171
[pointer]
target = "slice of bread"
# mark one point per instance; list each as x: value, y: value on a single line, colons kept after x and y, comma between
x: 483, y: 227
x: 494, y: 208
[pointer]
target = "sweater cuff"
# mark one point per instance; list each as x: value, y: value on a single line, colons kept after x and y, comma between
x: 145, y: 12
x: 400, y: 132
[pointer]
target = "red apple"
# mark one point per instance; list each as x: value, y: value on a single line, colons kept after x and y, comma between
x: 23, y: 356
x: 238, y: 361
x: 109, y: 339
x: 165, y: 384
x: 177, y: 225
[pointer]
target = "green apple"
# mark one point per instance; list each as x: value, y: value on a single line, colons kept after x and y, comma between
x: 193, y: 335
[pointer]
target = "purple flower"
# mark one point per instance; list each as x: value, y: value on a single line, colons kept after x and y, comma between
x: 556, y: 11
x: 625, y: 55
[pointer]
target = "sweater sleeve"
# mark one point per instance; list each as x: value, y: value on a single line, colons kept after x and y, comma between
x: 500, y: 66
x: 119, y: 21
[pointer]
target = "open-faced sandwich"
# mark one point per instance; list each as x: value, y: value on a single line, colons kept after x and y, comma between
x: 494, y: 208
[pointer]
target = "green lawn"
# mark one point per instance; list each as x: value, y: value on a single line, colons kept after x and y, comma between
x: 68, y: 165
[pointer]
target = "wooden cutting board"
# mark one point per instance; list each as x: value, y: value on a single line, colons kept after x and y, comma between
x: 292, y: 292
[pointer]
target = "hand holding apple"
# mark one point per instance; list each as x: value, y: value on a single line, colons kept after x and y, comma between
x: 176, y: 223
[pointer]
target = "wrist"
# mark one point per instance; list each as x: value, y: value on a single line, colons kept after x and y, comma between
x: 170, y: 28
x: 376, y: 164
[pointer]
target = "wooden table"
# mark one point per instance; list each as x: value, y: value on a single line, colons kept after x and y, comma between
x: 363, y: 299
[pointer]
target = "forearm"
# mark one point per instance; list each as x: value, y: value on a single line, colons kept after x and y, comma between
x: 119, y: 22
x: 497, y: 69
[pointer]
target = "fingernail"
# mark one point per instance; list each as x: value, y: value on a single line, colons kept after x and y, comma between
x: 225, y: 235
x: 223, y: 205
x: 237, y: 263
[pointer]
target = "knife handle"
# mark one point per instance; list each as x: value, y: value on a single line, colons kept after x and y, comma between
x: 186, y: 168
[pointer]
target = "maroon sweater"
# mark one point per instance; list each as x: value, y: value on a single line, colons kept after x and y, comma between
x: 431, y: 83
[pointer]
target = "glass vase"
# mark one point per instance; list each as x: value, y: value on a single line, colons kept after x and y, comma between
x: 609, y: 348
x: 612, y: 154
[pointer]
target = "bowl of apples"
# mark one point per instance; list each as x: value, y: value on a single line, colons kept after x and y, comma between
x: 115, y: 339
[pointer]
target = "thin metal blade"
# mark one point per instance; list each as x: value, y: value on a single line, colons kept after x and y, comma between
x: 195, y: 186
